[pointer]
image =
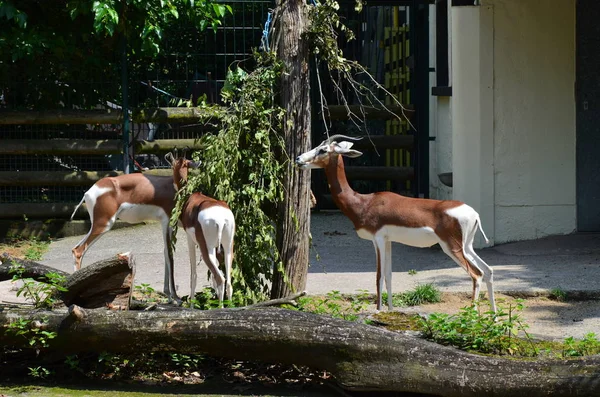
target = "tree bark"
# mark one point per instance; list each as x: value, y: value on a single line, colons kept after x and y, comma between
x: 361, y: 357
x: 293, y: 227
x: 106, y: 283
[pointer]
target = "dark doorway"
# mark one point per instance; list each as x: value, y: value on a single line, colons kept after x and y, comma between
x: 588, y: 115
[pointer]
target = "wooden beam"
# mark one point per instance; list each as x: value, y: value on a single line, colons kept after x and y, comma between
x: 60, y: 146
x: 61, y: 117
x: 89, y: 146
x: 88, y: 178
x: 340, y: 112
x: 176, y: 115
x: 112, y: 116
x: 62, y: 178
x: 166, y: 145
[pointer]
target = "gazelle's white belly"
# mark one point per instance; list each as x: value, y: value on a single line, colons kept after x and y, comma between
x: 413, y: 236
x: 134, y: 213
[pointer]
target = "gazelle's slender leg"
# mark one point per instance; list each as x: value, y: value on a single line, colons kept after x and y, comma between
x: 379, y: 279
x: 488, y: 274
x: 228, y: 259
x: 484, y: 268
x: 98, y: 228
x: 458, y: 256
x: 209, y: 255
x: 169, y: 279
x: 192, y: 254
x: 388, y: 272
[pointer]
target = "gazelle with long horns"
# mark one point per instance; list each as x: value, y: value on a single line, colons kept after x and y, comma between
x: 384, y: 217
x: 208, y: 223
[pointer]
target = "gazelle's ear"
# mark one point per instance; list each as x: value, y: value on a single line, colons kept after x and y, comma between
x: 343, y: 148
x: 169, y: 158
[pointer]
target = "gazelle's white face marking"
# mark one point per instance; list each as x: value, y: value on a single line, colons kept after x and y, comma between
x: 320, y: 156
x: 315, y: 158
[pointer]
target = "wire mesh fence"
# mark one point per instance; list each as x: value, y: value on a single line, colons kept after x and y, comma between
x: 193, y: 65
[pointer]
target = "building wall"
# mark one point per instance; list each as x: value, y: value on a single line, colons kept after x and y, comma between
x: 534, y: 118
x: 525, y: 117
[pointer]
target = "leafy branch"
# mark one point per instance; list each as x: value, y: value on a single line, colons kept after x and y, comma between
x: 240, y: 166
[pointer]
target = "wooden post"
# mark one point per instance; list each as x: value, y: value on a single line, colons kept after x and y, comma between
x: 293, y: 228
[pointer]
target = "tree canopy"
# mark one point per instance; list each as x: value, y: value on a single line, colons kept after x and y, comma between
x: 50, y: 43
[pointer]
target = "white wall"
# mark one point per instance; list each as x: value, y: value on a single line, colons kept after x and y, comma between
x: 525, y: 54
x: 534, y: 118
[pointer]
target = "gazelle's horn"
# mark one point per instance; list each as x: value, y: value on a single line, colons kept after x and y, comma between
x: 334, y: 137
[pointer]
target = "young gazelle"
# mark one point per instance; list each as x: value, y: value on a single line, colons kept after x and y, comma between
x: 208, y: 223
x: 384, y: 217
x: 132, y: 198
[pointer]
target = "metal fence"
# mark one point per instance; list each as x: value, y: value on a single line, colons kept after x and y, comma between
x: 192, y: 65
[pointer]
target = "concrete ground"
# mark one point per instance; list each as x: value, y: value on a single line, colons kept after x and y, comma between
x: 341, y: 261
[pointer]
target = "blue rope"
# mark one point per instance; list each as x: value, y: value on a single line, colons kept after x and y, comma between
x: 265, y: 38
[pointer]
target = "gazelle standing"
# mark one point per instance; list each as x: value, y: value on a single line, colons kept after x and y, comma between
x: 132, y: 198
x: 384, y: 217
x: 208, y: 223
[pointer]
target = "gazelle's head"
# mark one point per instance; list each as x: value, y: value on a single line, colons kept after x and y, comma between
x: 181, y: 167
x: 320, y: 156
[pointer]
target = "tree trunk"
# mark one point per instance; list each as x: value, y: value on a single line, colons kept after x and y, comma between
x: 106, y: 283
x: 361, y: 357
x: 293, y: 228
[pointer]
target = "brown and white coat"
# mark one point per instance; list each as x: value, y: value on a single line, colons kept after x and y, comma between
x: 384, y: 217
x: 210, y: 224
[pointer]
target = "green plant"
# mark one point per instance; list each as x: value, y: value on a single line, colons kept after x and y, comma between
x: 558, y: 294
x: 334, y: 304
x: 487, y: 332
x: 39, y: 372
x: 242, y: 166
x: 147, y: 291
x: 36, y: 249
x: 186, y: 361
x: 33, y: 332
x: 41, y: 294
x: 587, y: 346
x: 412, y: 272
x: 423, y: 293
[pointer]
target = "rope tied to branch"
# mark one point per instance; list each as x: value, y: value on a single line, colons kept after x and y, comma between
x: 265, y: 37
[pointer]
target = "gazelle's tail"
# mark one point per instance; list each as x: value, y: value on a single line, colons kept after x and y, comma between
x: 481, y: 230
x: 76, y: 208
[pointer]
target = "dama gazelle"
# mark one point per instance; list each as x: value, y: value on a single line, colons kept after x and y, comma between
x: 384, y: 217
x: 208, y: 223
x: 132, y: 198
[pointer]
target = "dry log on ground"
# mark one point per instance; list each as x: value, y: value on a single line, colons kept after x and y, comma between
x: 361, y: 357
x: 32, y: 269
x: 106, y: 283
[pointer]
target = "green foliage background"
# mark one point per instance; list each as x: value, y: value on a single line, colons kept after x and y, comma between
x: 68, y: 52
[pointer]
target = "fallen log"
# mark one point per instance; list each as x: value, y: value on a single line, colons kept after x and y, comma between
x: 361, y: 357
x: 31, y: 269
x: 106, y: 283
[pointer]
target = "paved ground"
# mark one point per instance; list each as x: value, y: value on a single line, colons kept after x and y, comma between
x: 342, y: 261
x: 347, y: 263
